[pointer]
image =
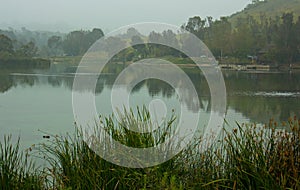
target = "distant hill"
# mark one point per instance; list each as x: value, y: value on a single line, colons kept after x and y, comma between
x: 270, y: 8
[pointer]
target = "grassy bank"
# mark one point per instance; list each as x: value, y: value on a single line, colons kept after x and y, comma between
x: 25, y: 62
x: 248, y: 157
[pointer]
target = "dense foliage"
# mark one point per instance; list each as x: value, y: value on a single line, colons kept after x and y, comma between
x: 245, y: 157
x: 252, y: 35
x: 7, y: 49
x: 26, y: 43
x: 267, y: 40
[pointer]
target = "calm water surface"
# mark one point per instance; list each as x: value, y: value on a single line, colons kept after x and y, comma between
x: 38, y: 101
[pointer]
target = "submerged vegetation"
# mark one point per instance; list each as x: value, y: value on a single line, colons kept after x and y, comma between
x: 245, y: 157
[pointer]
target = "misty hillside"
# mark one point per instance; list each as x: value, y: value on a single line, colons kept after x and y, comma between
x: 268, y: 8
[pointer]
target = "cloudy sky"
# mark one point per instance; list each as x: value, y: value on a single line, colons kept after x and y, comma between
x: 66, y: 15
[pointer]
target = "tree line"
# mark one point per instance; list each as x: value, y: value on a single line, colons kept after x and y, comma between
x: 267, y: 40
x: 28, y: 44
x: 7, y: 49
x: 263, y: 40
x: 74, y: 43
x: 248, y: 40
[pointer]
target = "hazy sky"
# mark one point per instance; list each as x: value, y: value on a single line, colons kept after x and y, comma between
x: 65, y: 15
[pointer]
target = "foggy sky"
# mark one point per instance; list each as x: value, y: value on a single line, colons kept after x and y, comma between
x: 66, y: 15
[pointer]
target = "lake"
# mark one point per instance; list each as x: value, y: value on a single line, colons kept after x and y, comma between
x: 34, y: 102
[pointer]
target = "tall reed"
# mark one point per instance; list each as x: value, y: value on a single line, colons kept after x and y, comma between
x: 247, y: 156
x: 17, y: 171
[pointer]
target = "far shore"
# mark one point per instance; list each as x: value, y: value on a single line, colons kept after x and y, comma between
x: 187, y: 63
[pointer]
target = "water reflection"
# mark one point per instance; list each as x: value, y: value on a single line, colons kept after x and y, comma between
x: 258, y: 96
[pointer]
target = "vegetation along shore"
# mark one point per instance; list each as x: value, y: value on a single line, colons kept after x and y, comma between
x: 245, y: 157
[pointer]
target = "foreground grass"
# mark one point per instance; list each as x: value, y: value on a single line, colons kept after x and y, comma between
x: 248, y: 157
x: 16, y: 170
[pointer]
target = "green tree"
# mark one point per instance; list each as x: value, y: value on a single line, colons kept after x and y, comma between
x: 91, y: 37
x: 131, y: 32
x: 196, y: 26
x: 27, y: 50
x: 218, y: 37
x: 188, y: 43
x: 113, y: 44
x: 54, y: 41
x: 154, y: 48
x: 78, y: 42
x: 6, y: 44
x: 141, y: 48
x: 297, y: 31
x: 72, y: 45
x: 243, y: 42
x: 286, y: 40
x: 166, y: 37
x: 169, y: 37
x: 54, y: 44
